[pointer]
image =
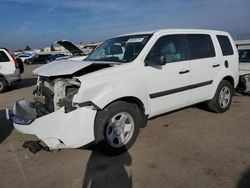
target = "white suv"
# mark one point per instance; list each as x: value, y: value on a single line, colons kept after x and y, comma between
x: 108, y: 97
x: 10, y: 69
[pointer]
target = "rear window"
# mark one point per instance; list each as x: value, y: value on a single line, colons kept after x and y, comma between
x: 201, y: 46
x: 225, y: 45
x: 3, y: 57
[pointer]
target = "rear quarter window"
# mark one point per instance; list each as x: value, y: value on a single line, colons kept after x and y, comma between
x: 3, y: 57
x: 200, y: 45
x: 225, y: 44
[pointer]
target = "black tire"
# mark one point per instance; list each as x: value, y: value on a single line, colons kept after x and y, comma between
x: 3, y: 85
x: 102, y: 126
x: 215, y: 104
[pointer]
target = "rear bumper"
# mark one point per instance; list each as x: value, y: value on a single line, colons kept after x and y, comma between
x: 58, y: 129
x: 16, y: 76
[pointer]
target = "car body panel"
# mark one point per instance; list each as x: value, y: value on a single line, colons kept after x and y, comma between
x: 102, y: 92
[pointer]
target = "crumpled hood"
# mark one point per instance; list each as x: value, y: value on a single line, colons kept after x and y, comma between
x: 58, y: 68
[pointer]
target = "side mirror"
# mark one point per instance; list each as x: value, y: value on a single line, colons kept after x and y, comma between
x: 155, y: 60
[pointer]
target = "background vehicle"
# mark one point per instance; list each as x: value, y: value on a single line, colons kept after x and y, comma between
x: 38, y: 59
x: 53, y: 57
x: 244, y: 71
x: 23, y: 57
x: 90, y: 47
x: 125, y: 81
x: 76, y: 52
x: 10, y: 69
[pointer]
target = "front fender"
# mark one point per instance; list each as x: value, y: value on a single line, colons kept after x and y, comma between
x: 104, y: 93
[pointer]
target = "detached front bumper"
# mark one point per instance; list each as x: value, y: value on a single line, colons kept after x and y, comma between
x: 57, y: 129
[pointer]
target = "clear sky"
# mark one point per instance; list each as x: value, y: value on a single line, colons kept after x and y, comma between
x: 39, y: 23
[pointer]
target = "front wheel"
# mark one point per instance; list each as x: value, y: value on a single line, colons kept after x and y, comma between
x: 117, y: 127
x: 222, y: 98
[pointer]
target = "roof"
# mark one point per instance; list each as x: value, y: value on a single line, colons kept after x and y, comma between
x: 161, y: 31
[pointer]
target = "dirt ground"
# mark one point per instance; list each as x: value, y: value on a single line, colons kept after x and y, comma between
x: 190, y: 148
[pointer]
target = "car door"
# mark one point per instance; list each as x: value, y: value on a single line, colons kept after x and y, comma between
x: 167, y: 83
x: 204, y: 65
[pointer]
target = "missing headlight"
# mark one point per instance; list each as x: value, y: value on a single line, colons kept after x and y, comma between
x: 67, y: 101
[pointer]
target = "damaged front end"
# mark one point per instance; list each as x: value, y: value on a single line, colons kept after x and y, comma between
x: 53, y: 117
x: 54, y: 94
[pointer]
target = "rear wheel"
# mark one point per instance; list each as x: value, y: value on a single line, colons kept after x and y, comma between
x: 222, y: 98
x: 117, y: 127
x: 3, y: 85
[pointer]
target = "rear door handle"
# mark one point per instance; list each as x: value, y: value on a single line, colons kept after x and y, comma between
x: 184, y: 72
x: 217, y: 65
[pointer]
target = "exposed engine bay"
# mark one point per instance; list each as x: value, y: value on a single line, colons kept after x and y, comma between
x: 53, y: 94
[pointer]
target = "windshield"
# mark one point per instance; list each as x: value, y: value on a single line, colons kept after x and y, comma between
x: 244, y: 55
x: 121, y: 49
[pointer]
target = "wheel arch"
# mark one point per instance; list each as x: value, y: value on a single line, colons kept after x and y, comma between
x: 230, y: 79
x: 133, y: 100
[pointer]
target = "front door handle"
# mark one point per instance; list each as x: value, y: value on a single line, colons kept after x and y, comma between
x: 217, y: 65
x: 184, y: 72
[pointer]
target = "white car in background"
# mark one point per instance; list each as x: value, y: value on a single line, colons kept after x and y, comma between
x: 109, y: 96
x: 24, y: 57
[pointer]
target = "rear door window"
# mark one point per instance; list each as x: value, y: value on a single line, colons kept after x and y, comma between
x: 200, y: 45
x: 225, y: 45
x: 3, y: 57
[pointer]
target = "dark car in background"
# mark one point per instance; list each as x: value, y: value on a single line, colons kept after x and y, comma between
x: 38, y: 59
x: 53, y: 57
x: 43, y: 58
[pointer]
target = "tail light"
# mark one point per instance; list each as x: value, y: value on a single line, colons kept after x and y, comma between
x: 14, y: 59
